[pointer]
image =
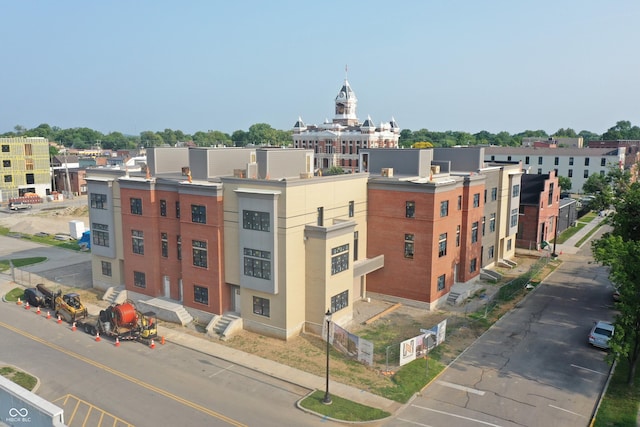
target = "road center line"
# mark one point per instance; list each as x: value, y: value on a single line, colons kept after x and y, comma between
x: 587, y: 369
x: 461, y: 387
x: 404, y: 420
x: 566, y: 410
x: 456, y: 415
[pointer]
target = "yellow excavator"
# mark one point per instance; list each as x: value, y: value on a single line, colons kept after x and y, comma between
x: 67, y: 306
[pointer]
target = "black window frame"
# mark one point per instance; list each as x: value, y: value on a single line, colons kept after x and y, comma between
x: 100, y: 234
x: 106, y: 268
x: 201, y: 294
x: 164, y: 245
x: 137, y: 242
x: 444, y: 208
x: 442, y: 245
x: 199, y: 253
x: 261, y: 306
x: 442, y: 282
x: 139, y: 279
x: 136, y: 205
x: 199, y: 214
x: 410, y: 209
x: 163, y: 207
x: 256, y: 220
x: 98, y: 201
x: 340, y: 301
x: 409, y: 245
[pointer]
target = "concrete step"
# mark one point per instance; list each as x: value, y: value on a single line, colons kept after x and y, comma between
x: 452, y: 299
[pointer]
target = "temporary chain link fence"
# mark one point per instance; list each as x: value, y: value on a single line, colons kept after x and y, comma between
x: 505, y: 293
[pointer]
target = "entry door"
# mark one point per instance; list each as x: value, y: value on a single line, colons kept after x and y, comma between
x: 166, y: 283
x: 236, y: 299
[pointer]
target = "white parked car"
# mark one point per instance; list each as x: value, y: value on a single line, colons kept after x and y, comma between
x: 600, y: 334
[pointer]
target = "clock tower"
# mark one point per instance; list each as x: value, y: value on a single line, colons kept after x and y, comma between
x: 346, y: 106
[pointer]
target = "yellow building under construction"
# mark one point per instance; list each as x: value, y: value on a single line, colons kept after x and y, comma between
x: 25, y: 167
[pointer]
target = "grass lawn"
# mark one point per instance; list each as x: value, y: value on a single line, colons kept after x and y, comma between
x: 20, y: 262
x: 620, y: 404
x: 580, y: 223
x: 19, y: 377
x: 341, y: 409
x: 46, y: 240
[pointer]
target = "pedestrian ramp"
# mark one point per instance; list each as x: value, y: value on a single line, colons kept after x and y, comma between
x: 78, y: 412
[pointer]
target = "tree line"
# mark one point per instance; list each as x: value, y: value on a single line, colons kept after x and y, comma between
x: 264, y: 134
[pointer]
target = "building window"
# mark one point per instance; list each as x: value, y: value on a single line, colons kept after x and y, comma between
x: 199, y: 249
x: 28, y: 150
x: 351, y: 209
x: 508, y: 158
x: 491, y: 252
x: 261, y: 306
x: 254, y: 220
x: 526, y: 160
x: 340, y: 301
x: 100, y: 234
x: 5, y: 148
x: 570, y: 161
x: 106, y: 268
x: 476, y: 200
x: 459, y: 202
x: 492, y: 223
x: 355, y: 245
x: 257, y: 263
x: 539, y: 160
x: 6, y: 163
x: 483, y: 224
x: 444, y: 208
x: 199, y: 214
x: 442, y: 280
x: 320, y: 219
x: 98, y: 201
x: 442, y: 245
x: 514, y: 217
x: 556, y: 161
x: 539, y: 171
x: 177, y: 209
x: 8, y: 178
x: 494, y: 194
x: 586, y: 161
x: 603, y: 162
x: 570, y: 173
x: 339, y: 259
x: 163, y: 208
x: 515, y: 191
x: 586, y: 173
x: 164, y: 245
x: 410, y: 209
x: 485, y: 196
x: 509, y: 245
x: 408, y: 246
x: 472, y: 265
x: 139, y: 279
x: 137, y: 238
x: 550, y: 200
x: 201, y: 294
x: 179, y: 247
x: 458, y: 236
x: 136, y: 206
x: 474, y: 232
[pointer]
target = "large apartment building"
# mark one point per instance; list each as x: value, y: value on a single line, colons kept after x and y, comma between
x: 253, y: 231
x: 25, y: 167
x: 576, y: 164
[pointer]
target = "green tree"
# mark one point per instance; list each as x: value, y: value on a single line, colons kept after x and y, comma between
x: 240, y: 138
x: 406, y: 138
x: 262, y: 133
x: 595, y: 183
x: 564, y: 183
x: 566, y: 133
x: 334, y: 170
x: 150, y: 139
x: 620, y: 251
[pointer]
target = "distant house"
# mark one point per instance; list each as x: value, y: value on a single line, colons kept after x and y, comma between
x: 539, y: 210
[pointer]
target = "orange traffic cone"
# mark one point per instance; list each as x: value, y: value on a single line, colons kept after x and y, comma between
x: 153, y: 344
x: 59, y: 319
x: 162, y: 340
x: 117, y: 344
x: 48, y: 315
x: 26, y: 306
x: 19, y: 302
x: 73, y: 326
x: 97, y: 336
x: 38, y: 310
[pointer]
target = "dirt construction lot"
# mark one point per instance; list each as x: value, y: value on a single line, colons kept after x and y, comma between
x: 307, y: 352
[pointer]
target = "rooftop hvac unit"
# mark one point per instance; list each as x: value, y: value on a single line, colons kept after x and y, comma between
x: 388, y: 172
x: 435, y: 169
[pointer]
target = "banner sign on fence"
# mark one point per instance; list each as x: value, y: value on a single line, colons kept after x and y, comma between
x: 418, y: 346
x: 352, y: 345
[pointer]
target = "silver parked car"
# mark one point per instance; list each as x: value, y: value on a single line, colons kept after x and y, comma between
x: 600, y: 334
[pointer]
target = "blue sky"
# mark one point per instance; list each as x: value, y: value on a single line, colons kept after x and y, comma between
x: 131, y: 66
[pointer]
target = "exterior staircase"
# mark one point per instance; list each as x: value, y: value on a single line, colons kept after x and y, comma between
x: 115, y: 294
x: 223, y: 326
x: 452, y: 299
x: 183, y: 315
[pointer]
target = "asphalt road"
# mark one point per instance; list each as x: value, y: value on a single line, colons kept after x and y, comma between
x: 135, y: 385
x: 534, y: 366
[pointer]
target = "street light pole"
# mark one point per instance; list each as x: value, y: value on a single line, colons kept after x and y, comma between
x: 555, y: 238
x: 327, y: 397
